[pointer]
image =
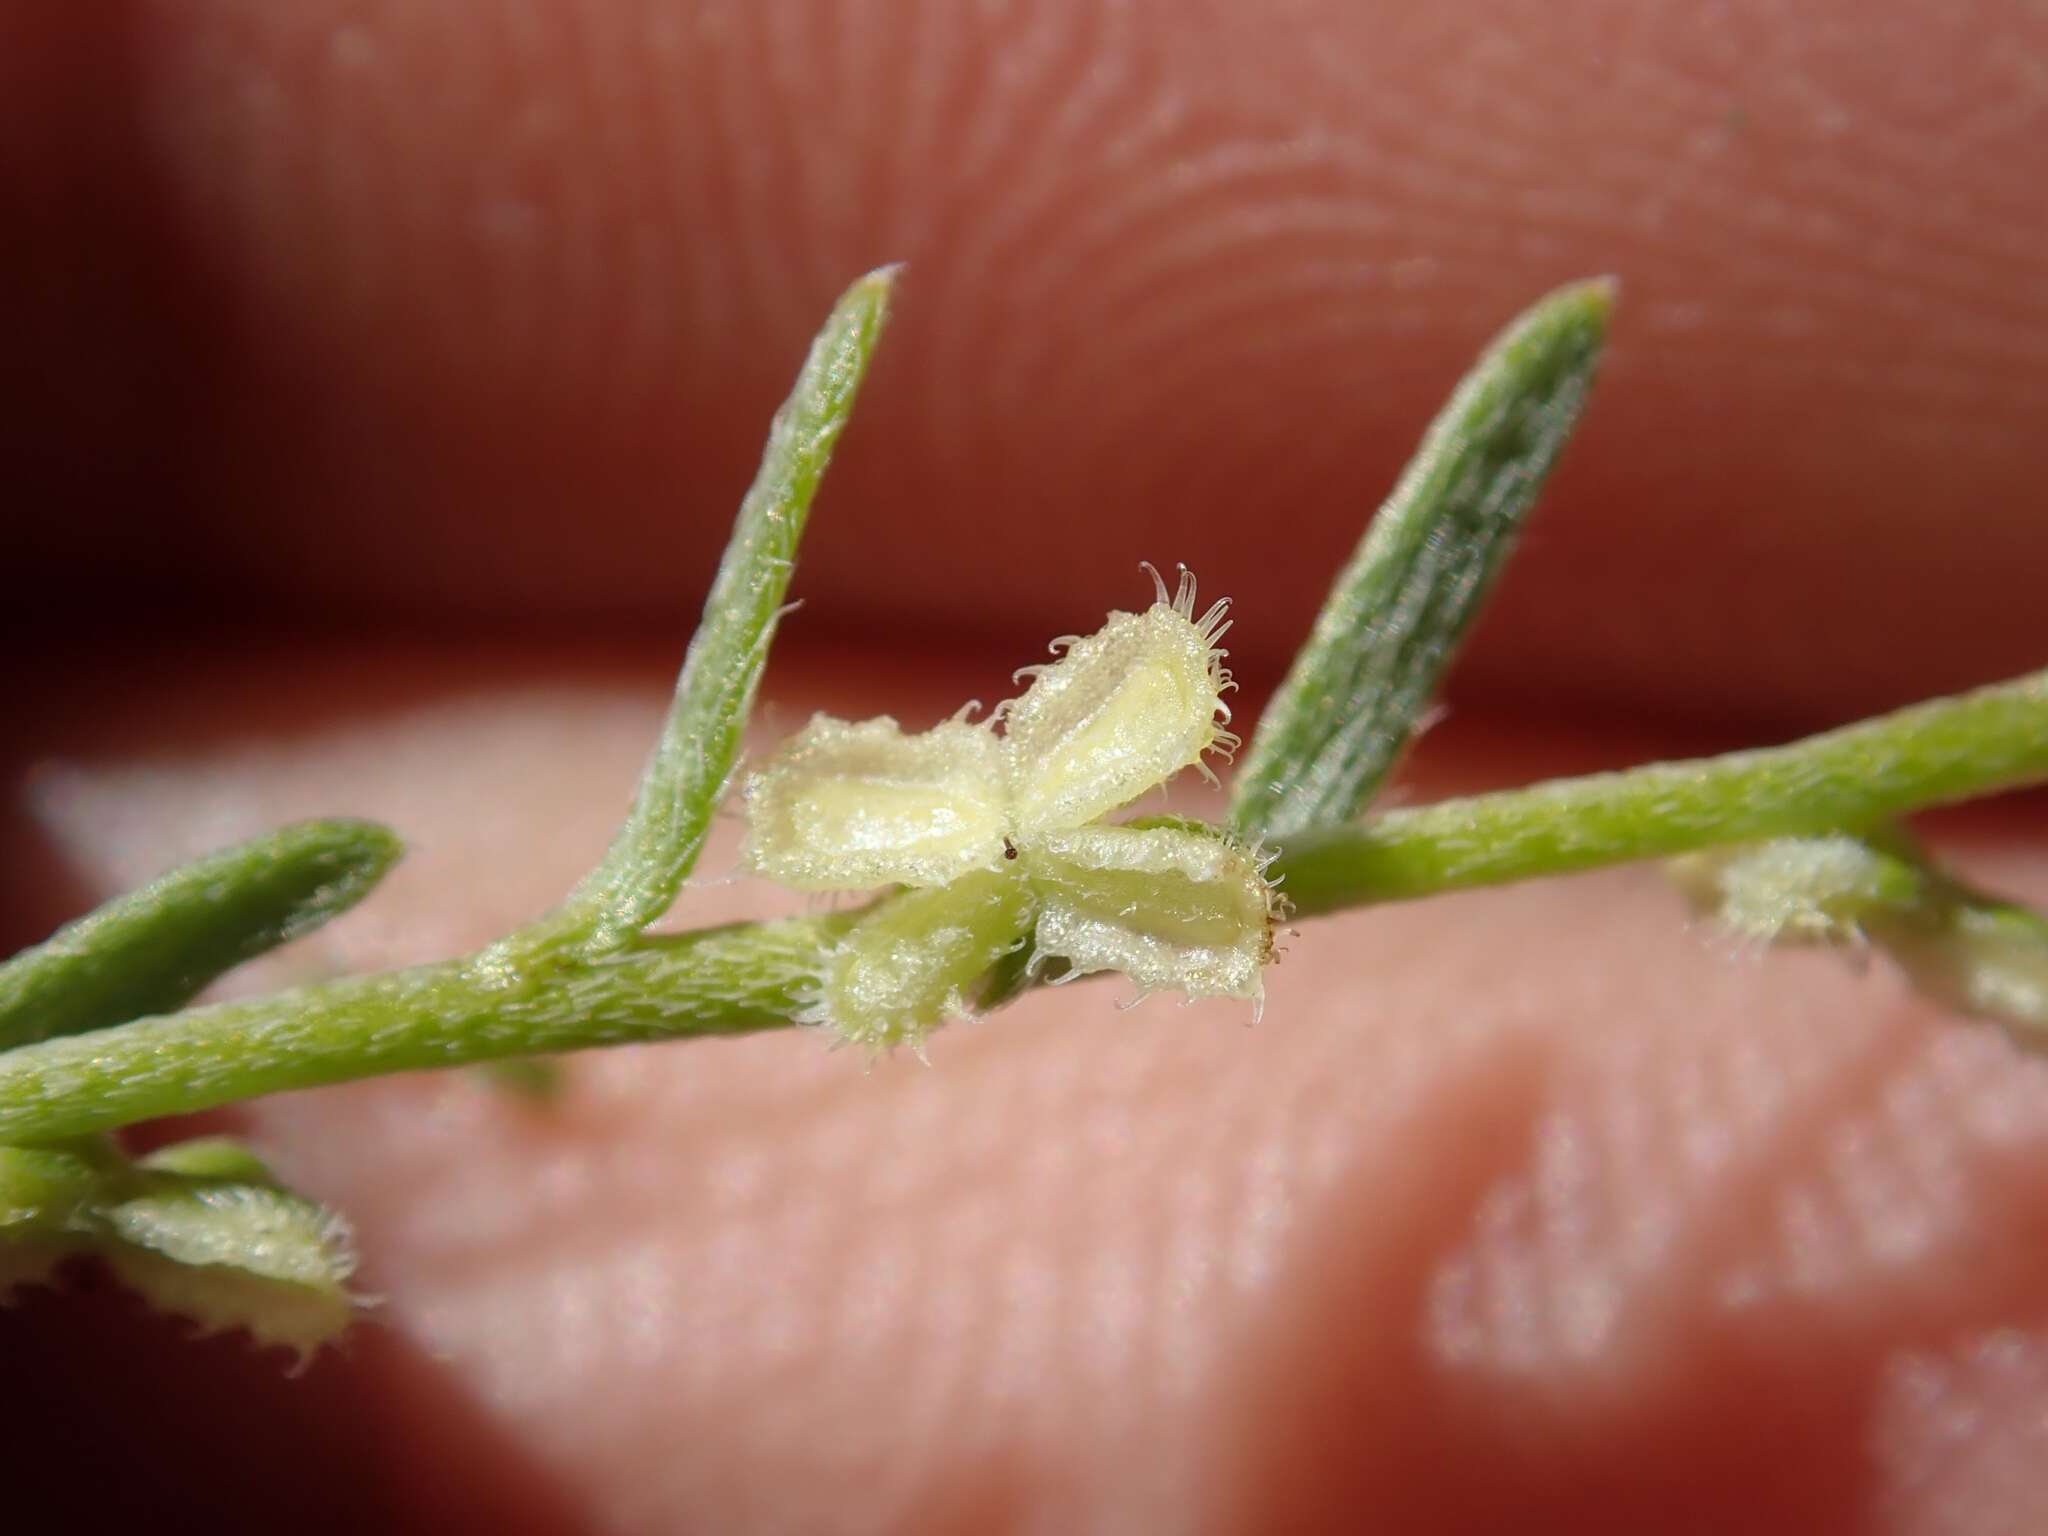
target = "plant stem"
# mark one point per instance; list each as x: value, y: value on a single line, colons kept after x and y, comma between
x: 718, y: 981
x: 755, y: 976
x: 1929, y: 754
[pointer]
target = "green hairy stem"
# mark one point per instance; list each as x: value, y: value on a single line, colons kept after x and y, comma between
x: 1930, y: 754
x: 755, y: 976
x: 714, y: 982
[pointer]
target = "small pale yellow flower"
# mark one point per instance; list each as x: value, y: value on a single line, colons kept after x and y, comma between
x: 998, y: 835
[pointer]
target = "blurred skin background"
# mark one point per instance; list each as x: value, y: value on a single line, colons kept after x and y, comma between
x: 379, y: 382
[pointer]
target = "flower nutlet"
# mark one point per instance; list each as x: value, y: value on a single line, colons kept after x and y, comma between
x: 996, y: 831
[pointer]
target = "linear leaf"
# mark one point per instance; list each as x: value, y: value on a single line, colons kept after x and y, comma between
x: 154, y: 949
x: 1394, y: 617
x: 685, y: 778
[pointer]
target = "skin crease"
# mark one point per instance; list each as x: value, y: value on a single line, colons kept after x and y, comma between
x: 1526, y: 1206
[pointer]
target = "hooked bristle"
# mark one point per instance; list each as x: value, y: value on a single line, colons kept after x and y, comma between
x: 1158, y: 581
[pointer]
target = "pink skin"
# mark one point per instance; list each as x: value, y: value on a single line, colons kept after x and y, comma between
x: 1526, y: 1209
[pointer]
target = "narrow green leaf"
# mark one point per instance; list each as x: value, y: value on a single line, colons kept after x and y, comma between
x: 153, y: 949
x: 210, y: 1157
x: 685, y: 779
x: 1393, y: 619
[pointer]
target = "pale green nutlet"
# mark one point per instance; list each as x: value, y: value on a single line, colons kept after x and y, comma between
x: 911, y: 962
x: 1804, y: 890
x: 998, y: 834
x: 1967, y: 949
x: 199, y: 1227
